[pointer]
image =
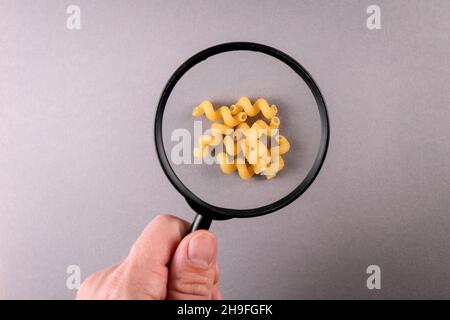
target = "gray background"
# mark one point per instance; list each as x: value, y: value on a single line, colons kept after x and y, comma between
x: 79, y: 177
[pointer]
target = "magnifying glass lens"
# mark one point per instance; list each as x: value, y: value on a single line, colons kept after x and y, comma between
x: 223, y: 79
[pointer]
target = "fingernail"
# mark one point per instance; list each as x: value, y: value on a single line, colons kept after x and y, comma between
x: 201, y: 249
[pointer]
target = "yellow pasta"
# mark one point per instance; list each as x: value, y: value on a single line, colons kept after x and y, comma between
x: 230, y: 146
x: 275, y: 123
x: 227, y: 167
x: 248, y: 150
x: 258, y: 157
x: 244, y: 103
x: 203, y: 143
x: 200, y: 152
x: 245, y: 171
x: 283, y: 145
x: 259, y: 168
x: 243, y: 147
x: 240, y: 130
x: 263, y: 128
x: 257, y: 150
x: 206, y: 108
x: 243, y: 126
x: 223, y: 129
x: 275, y: 167
x: 207, y: 141
x: 268, y: 111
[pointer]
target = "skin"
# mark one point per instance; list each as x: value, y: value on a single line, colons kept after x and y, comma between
x: 165, y: 262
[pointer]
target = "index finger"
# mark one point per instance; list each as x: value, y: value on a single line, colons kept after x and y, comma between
x: 148, y: 260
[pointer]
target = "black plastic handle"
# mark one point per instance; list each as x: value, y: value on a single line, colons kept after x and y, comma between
x: 200, y: 223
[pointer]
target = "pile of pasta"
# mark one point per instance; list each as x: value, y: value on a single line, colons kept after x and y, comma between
x: 241, y: 147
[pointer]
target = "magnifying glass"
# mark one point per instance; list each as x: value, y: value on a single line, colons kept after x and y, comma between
x: 222, y: 74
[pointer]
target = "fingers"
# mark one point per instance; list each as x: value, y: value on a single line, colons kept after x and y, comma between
x: 93, y: 287
x: 143, y: 274
x: 147, y: 263
x: 156, y: 245
x: 193, y: 270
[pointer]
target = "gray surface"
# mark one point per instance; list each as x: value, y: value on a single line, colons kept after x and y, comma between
x: 79, y: 177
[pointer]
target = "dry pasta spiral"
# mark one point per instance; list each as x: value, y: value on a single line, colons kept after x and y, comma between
x: 249, y: 150
x: 244, y: 103
x: 205, y: 142
x: 206, y: 108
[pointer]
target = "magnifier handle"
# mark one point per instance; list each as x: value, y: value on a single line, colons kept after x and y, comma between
x: 200, y: 223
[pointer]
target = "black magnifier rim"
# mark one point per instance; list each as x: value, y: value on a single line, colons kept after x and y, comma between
x: 297, y: 68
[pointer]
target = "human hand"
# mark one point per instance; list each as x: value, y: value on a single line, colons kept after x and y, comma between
x: 164, y: 263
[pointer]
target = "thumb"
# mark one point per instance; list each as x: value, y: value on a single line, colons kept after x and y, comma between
x: 192, y: 273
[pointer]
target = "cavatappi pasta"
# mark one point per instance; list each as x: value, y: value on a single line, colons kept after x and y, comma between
x: 224, y: 113
x: 244, y: 103
x: 249, y: 150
